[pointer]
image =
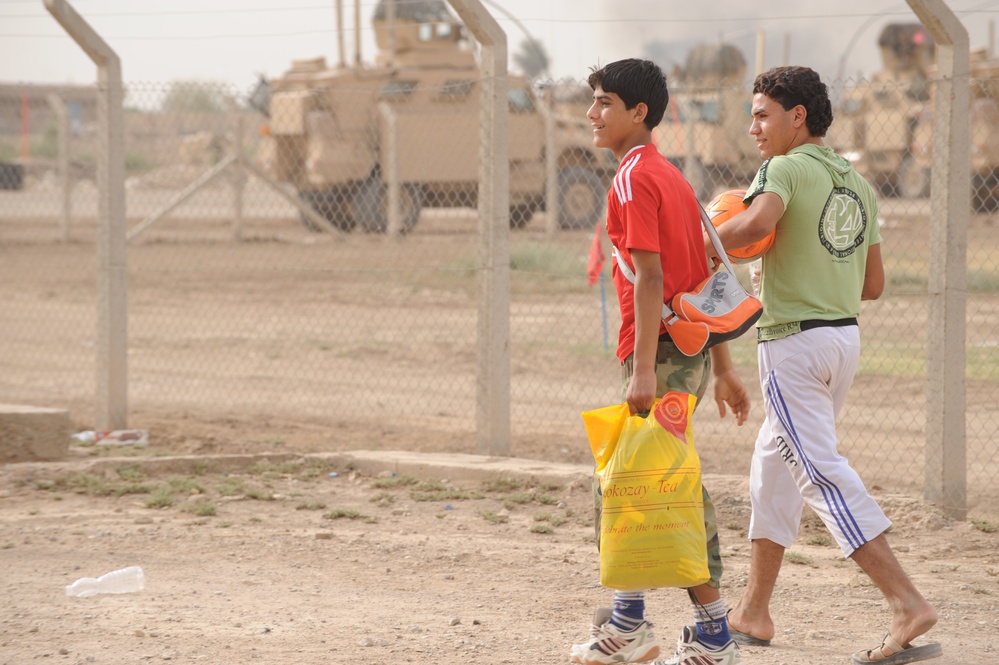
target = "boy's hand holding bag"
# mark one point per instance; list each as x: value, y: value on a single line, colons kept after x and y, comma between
x: 652, y: 520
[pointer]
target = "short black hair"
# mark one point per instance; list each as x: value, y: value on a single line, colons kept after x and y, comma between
x: 635, y: 81
x: 793, y: 86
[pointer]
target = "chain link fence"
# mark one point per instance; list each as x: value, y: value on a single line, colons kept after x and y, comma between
x: 308, y: 251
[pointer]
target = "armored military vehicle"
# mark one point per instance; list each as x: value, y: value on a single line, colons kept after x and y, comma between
x: 337, y: 133
x: 706, y: 128
x: 885, y: 126
x: 876, y: 121
x: 984, y: 119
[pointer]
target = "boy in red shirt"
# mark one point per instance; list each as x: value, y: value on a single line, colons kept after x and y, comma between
x: 653, y: 220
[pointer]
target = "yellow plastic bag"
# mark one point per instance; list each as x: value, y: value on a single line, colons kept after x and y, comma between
x: 652, y: 521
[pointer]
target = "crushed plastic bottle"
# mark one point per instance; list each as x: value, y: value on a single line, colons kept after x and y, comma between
x: 125, y: 580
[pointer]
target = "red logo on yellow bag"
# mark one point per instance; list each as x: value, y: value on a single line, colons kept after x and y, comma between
x: 671, y: 414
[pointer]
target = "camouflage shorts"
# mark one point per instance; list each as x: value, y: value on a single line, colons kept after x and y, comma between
x: 686, y: 374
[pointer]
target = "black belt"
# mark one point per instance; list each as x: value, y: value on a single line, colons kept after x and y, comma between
x: 808, y: 324
x: 835, y: 323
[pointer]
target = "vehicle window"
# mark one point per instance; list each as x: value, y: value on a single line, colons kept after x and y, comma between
x: 520, y: 100
x: 397, y: 89
x: 709, y: 110
x: 454, y: 90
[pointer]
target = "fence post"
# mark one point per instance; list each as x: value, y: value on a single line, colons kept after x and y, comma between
x: 390, y: 168
x: 945, y: 463
x: 238, y: 173
x: 65, y: 179
x: 493, y: 395
x: 112, y: 294
x: 552, y: 211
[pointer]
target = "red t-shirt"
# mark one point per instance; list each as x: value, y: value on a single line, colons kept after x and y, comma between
x: 652, y: 207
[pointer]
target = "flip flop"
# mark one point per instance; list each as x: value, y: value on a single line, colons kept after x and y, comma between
x: 893, y: 653
x: 745, y: 639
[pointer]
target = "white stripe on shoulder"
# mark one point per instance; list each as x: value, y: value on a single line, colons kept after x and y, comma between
x: 622, y: 180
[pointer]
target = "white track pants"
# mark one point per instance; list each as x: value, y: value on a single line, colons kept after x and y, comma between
x: 805, y: 379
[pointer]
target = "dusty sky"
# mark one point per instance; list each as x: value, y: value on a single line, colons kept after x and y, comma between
x: 231, y: 41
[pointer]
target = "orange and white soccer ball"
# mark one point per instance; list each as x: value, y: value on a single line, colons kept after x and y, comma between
x: 723, y: 208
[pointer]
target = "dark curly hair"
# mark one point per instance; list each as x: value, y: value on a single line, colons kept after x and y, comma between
x: 793, y: 86
x: 635, y: 81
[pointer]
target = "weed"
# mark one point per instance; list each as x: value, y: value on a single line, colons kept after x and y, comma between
x: 383, y: 499
x: 230, y: 487
x: 797, y: 558
x: 315, y: 505
x: 341, y: 513
x: 494, y: 518
x: 161, y: 497
x: 258, y: 494
x: 201, y: 508
x: 545, y: 529
x: 820, y: 540
x: 395, y: 482
x: 503, y: 485
x: 985, y: 526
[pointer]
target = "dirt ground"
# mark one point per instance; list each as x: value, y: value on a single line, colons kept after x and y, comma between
x: 387, y: 558
x: 254, y: 552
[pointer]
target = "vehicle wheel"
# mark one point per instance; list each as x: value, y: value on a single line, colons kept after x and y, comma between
x: 521, y: 214
x: 912, y: 179
x: 371, y: 205
x: 984, y: 194
x: 582, y: 198
x: 331, y: 206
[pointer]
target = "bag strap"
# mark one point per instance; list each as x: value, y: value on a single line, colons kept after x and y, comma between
x: 715, y: 240
x: 629, y: 274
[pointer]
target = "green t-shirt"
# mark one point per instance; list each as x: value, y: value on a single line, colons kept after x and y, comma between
x: 815, y: 269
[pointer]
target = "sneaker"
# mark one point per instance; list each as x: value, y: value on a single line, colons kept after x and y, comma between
x: 691, y: 652
x: 610, y: 644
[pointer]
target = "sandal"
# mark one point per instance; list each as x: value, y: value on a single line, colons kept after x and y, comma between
x: 745, y: 639
x: 892, y: 653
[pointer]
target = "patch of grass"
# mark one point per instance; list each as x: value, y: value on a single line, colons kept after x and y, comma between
x: 518, y: 499
x: 992, y: 572
x: 185, y: 485
x: 131, y: 472
x: 797, y: 558
x: 230, y: 487
x: 315, y: 505
x: 503, y: 485
x: 544, y: 529
x: 272, y: 471
x: 314, y: 469
x: 258, y: 494
x: 200, y: 508
x: 981, y: 592
x: 943, y: 569
x: 733, y: 525
x: 554, y: 520
x: 161, y: 497
x: 224, y: 524
x: 985, y: 526
x: 394, y: 482
x: 820, y: 540
x: 439, y: 491
x: 383, y: 499
x: 494, y: 518
x: 344, y: 514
